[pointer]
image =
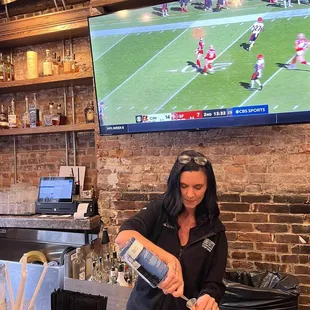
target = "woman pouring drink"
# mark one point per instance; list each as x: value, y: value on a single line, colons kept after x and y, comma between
x: 183, y: 229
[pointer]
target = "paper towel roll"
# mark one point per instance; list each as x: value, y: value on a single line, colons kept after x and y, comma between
x: 32, y: 65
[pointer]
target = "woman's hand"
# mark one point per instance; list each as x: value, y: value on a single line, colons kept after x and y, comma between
x: 173, y: 283
x: 206, y: 302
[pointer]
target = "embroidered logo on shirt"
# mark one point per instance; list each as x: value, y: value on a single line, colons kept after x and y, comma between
x: 208, y: 244
x: 168, y: 226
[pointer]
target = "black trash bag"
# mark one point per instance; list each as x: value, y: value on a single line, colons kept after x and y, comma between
x: 256, y: 291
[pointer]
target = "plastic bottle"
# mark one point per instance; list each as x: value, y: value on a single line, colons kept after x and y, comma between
x: 144, y: 262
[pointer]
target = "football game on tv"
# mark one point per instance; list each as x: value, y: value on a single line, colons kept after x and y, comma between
x: 192, y: 65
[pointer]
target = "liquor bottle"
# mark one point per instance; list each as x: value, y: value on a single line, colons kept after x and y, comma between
x: 26, y: 115
x: 94, y: 276
x: 115, y: 261
x: 90, y: 113
x: 2, y: 69
x: 100, y: 272
x: 74, y: 65
x: 9, y: 69
x: 60, y: 65
x: 55, y: 118
x: 91, y: 258
x: 67, y: 62
x: 143, y: 261
x: 3, y: 118
x: 47, y: 64
x: 55, y: 65
x: 78, y: 266
x: 11, y: 115
x: 112, y: 276
x: 121, y: 276
x: 33, y: 112
x: 48, y: 117
x: 62, y: 117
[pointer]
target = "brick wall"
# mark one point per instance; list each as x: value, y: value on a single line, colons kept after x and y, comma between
x: 263, y: 183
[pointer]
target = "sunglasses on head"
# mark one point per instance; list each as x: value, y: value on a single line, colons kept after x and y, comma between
x: 199, y: 160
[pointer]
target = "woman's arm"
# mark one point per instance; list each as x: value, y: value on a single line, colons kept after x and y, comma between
x: 141, y: 227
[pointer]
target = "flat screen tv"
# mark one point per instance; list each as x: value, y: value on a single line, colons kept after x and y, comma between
x: 202, y: 65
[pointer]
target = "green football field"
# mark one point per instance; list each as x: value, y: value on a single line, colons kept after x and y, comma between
x: 151, y: 71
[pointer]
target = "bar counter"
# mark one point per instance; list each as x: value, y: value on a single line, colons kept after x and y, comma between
x: 49, y: 222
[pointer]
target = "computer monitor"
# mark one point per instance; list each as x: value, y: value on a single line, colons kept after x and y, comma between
x: 55, y: 189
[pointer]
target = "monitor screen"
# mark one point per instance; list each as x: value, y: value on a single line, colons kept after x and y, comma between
x: 55, y: 189
x: 194, y: 65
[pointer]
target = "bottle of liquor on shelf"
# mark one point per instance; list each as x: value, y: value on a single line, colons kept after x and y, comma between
x: 47, y: 118
x: 78, y: 266
x: 47, y: 64
x: 2, y: 69
x: 74, y: 65
x: 26, y: 115
x: 12, y: 119
x: 3, y: 118
x: 60, y: 65
x: 33, y: 112
x: 90, y: 113
x: 67, y: 62
x: 55, y: 66
x: 62, y: 117
x: 9, y: 69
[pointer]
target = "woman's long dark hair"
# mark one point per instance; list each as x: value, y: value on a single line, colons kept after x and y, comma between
x: 172, y: 201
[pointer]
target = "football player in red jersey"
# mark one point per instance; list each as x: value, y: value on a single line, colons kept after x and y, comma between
x: 258, y: 70
x: 256, y: 29
x: 301, y: 46
x: 199, y: 52
x: 209, y: 59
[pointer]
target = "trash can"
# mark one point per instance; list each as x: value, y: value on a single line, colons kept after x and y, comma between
x: 255, y: 291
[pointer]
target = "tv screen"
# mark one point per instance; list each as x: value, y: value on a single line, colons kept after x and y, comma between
x: 200, y: 65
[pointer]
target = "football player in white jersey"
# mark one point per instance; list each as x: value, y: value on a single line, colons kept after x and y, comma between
x: 256, y: 29
x: 258, y: 70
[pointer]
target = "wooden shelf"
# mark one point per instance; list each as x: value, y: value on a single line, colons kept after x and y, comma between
x: 47, y: 82
x: 47, y: 130
x: 45, y: 28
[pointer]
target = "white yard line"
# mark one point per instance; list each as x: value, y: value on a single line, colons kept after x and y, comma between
x: 264, y: 84
x: 196, y: 75
x: 119, y: 86
x: 111, y: 47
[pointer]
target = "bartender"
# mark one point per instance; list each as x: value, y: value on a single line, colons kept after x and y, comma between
x: 183, y: 229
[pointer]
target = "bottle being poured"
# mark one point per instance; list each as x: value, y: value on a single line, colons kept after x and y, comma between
x: 148, y: 266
